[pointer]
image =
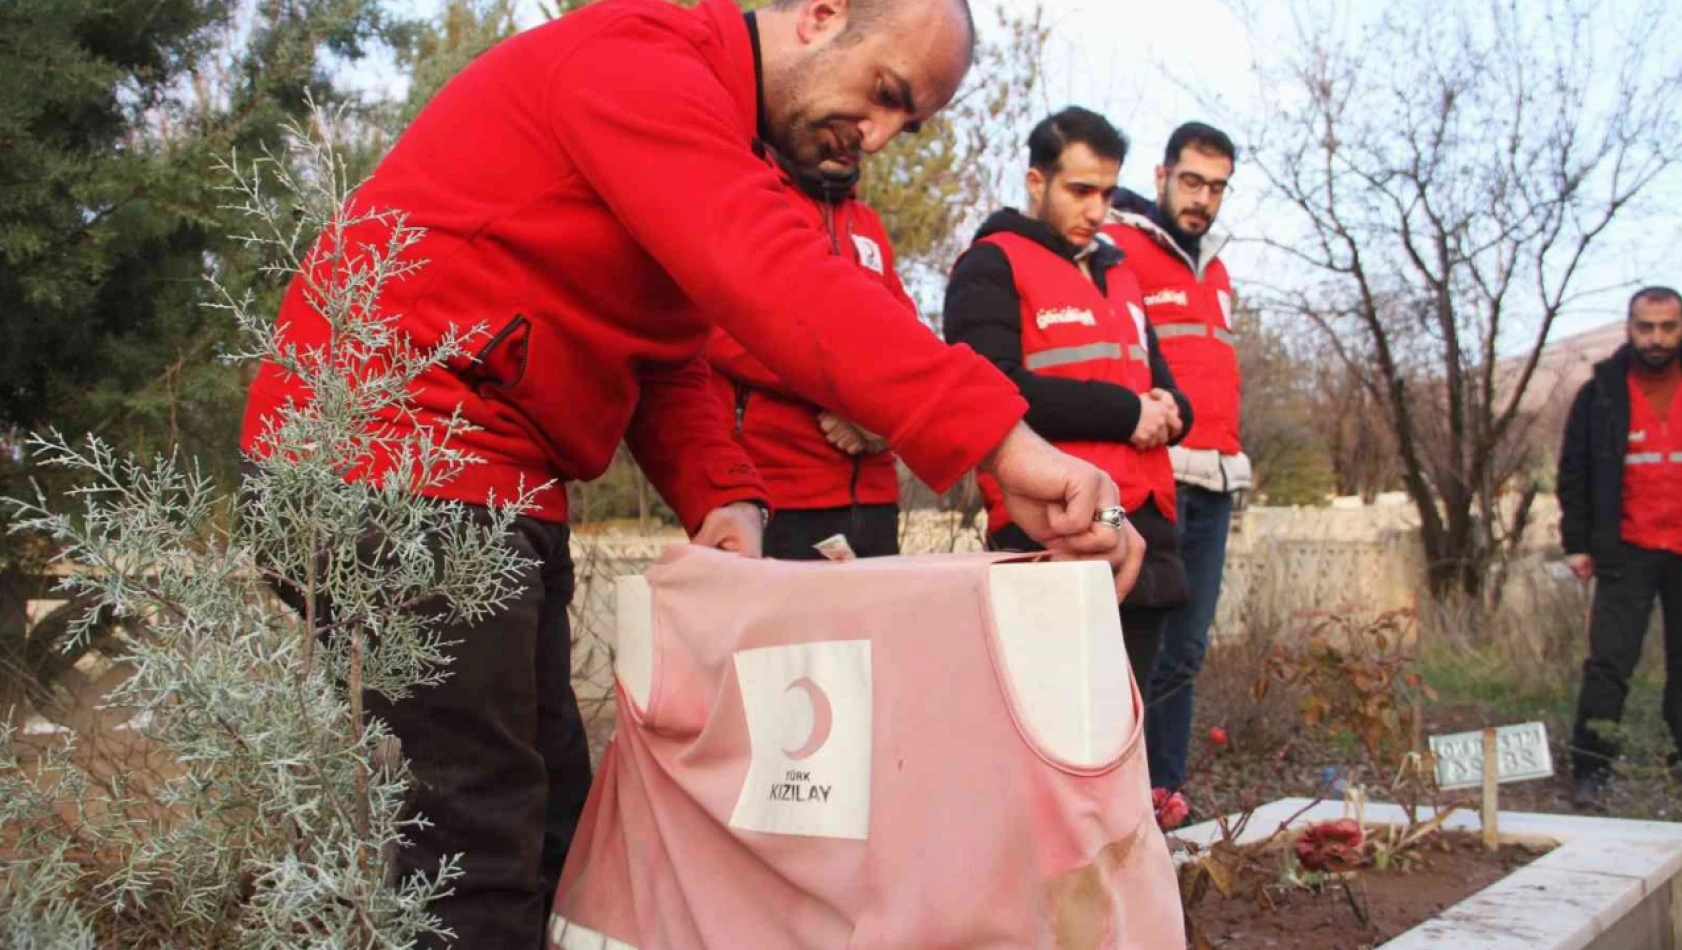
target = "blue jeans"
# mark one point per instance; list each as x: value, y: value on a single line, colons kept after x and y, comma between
x: 1205, y: 517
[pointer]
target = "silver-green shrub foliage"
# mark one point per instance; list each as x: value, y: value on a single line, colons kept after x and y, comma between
x: 268, y: 810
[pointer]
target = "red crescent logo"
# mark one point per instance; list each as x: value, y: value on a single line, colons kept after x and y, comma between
x: 823, y: 718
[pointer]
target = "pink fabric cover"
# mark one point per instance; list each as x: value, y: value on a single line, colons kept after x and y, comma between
x: 858, y: 716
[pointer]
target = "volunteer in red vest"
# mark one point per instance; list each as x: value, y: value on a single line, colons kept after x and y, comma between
x: 1620, y: 500
x: 834, y: 486
x: 1174, y: 255
x: 590, y: 193
x: 1047, y: 299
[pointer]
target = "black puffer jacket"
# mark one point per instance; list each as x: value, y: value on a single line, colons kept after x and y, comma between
x: 1591, y: 464
x: 984, y: 312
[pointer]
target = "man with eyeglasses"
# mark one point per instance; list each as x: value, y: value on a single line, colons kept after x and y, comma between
x: 1169, y: 247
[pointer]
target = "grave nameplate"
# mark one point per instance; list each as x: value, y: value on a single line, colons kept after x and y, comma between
x: 1523, y: 751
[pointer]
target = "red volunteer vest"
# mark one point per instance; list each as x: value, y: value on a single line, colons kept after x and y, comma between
x: 1652, y: 515
x: 1193, y: 321
x: 1071, y: 330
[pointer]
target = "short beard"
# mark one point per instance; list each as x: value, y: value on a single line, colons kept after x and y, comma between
x: 1171, y: 218
x: 789, y: 88
x: 1665, y: 356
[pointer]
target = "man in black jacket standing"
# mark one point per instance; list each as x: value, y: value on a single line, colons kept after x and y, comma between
x: 1620, y: 497
x: 1046, y: 299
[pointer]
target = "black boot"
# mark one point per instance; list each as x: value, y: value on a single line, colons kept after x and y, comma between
x: 1588, y: 793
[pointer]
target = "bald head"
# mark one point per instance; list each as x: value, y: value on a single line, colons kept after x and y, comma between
x: 865, y: 17
x: 843, y: 77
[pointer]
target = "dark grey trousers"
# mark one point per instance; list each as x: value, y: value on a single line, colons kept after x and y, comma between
x: 1623, y: 605
x: 498, y: 755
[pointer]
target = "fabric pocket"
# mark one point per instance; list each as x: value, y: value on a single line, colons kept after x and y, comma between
x: 501, y: 363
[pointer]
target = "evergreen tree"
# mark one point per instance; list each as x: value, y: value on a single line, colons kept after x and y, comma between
x: 111, y: 117
x: 254, y: 806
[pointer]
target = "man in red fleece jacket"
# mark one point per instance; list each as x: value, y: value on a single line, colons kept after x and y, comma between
x: 834, y: 487
x: 590, y: 193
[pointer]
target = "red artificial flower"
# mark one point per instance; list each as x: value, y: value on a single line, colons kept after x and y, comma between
x: 1217, y: 735
x: 1171, y: 808
x: 1332, y: 845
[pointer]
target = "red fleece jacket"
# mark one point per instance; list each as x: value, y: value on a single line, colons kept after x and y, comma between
x: 778, y: 429
x: 591, y: 194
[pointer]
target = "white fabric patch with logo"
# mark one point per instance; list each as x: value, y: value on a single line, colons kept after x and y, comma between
x: 870, y: 253
x: 1052, y: 318
x: 1167, y: 296
x: 808, y: 708
x: 1226, y: 307
x: 1139, y: 323
x: 1639, y: 435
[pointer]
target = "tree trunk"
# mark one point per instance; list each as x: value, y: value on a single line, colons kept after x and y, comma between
x: 1453, y: 555
x: 1514, y: 539
x: 14, y: 634
x: 35, y: 656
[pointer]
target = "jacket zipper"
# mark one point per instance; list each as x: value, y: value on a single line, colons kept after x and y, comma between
x: 829, y: 225
x: 1162, y: 238
x: 853, y: 513
x: 742, y: 393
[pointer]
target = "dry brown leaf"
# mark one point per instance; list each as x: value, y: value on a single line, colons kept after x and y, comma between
x: 1219, y: 875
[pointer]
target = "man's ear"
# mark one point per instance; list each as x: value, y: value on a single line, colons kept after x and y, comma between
x: 1161, y: 178
x: 821, y: 20
x: 1036, y: 182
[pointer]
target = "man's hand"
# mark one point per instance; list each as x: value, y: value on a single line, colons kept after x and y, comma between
x: 1581, y: 565
x: 1175, y: 424
x: 847, y: 437
x: 841, y: 433
x: 736, y: 527
x: 1152, y: 428
x: 1054, y: 496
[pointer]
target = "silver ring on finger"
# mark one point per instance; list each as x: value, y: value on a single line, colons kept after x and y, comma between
x: 1115, y: 516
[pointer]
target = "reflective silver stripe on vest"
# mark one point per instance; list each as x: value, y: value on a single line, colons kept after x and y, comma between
x: 1065, y: 355
x: 1166, y: 330
x: 1135, y: 351
x: 1676, y: 456
x: 1644, y: 458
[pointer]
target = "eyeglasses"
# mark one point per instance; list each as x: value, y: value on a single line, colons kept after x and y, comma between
x: 1192, y: 183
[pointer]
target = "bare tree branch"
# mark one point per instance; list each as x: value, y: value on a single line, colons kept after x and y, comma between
x: 1444, y: 185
